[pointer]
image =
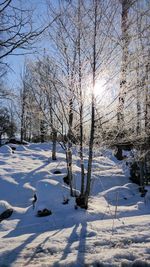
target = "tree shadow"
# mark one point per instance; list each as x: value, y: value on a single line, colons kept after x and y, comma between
x: 37, y: 226
x: 23, y: 229
x: 19, y: 195
x: 29, y: 224
x: 11, y: 256
x: 72, y: 238
x: 82, y: 245
x: 38, y: 249
x: 29, y: 174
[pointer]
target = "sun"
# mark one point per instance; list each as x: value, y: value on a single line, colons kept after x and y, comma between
x: 99, y: 87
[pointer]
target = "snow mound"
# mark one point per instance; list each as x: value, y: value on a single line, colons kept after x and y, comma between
x: 50, y: 194
x: 21, y: 148
x: 147, y: 197
x: 118, y: 193
x: 4, y: 205
x: 5, y: 149
x: 132, y: 186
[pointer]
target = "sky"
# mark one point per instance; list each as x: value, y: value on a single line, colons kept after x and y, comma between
x: 16, y: 62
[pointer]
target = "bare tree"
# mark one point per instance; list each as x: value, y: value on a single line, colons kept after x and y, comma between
x: 147, y: 97
x: 23, y: 100
x: 16, y: 28
x: 18, y: 33
x: 80, y: 100
x: 123, y: 76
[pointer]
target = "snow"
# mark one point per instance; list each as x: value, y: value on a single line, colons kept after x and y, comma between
x: 4, y: 205
x: 50, y: 194
x: 114, y: 231
x: 5, y: 150
x: 21, y: 148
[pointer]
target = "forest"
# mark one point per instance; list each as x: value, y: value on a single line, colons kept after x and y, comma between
x: 91, y: 86
x: 84, y: 85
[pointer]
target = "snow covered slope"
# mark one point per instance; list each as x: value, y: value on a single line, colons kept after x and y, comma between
x: 114, y: 231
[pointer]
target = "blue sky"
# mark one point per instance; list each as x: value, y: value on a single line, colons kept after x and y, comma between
x: 16, y: 62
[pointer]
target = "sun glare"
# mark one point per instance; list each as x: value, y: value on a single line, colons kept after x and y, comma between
x: 99, y: 88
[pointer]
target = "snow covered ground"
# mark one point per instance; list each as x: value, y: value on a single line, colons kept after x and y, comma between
x: 114, y: 231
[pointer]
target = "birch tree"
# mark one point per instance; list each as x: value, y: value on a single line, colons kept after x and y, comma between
x: 125, y: 53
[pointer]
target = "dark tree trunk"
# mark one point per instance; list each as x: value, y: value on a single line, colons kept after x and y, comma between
x: 69, y: 149
x: 147, y: 99
x: 118, y: 154
x: 142, y: 189
x: 42, y: 131
x: 54, y: 138
x: 138, y: 105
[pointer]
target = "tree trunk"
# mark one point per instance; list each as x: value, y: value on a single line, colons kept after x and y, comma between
x: 88, y: 185
x: 69, y: 168
x: 22, y: 123
x: 81, y: 153
x: 42, y: 131
x: 23, y: 107
x: 54, y: 132
x: 54, y: 138
x: 141, y: 165
x: 92, y: 132
x: 30, y: 130
x: 138, y: 104
x: 123, y: 78
x: 69, y: 148
x: 147, y: 99
x: 81, y: 103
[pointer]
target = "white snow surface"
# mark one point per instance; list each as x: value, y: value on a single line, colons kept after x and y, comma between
x: 114, y: 231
